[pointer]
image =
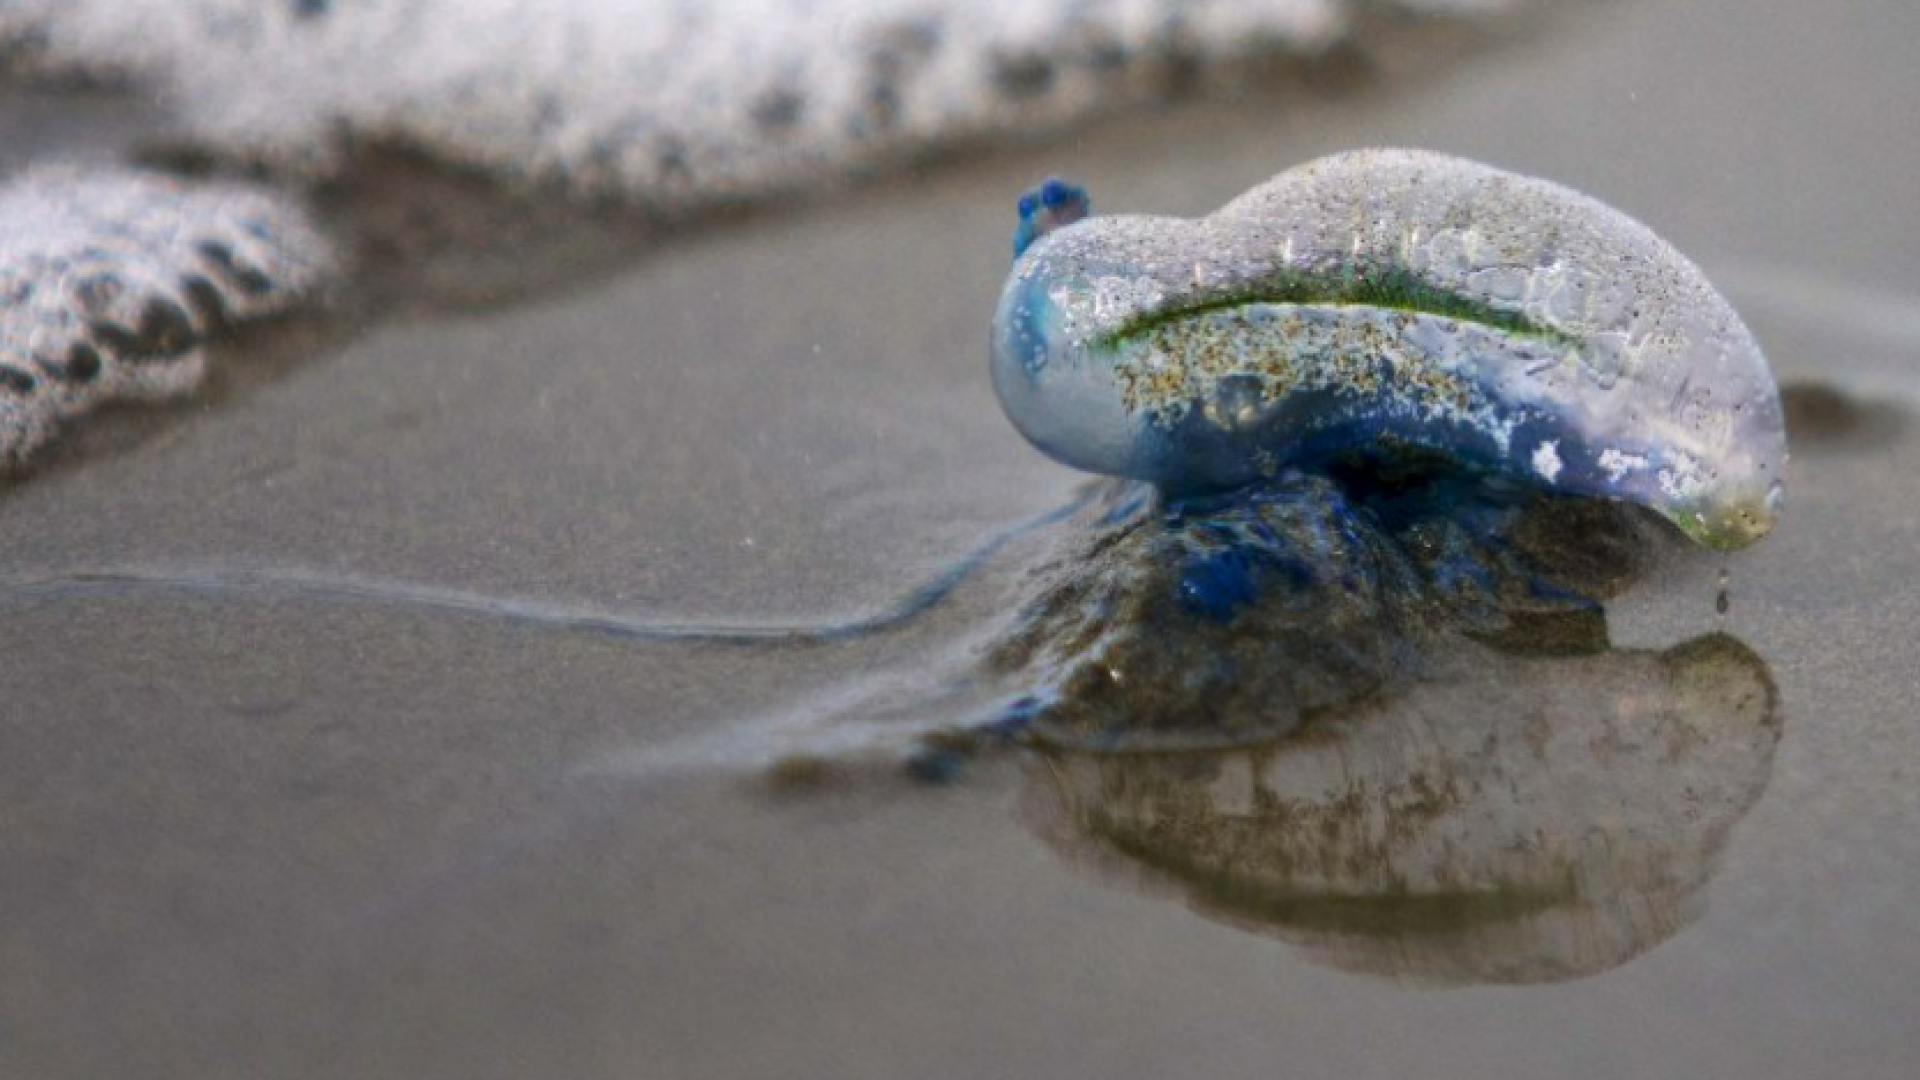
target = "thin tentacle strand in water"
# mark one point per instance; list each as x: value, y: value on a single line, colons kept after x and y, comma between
x: 628, y: 626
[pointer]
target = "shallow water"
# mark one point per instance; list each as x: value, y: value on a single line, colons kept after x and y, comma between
x: 279, y: 835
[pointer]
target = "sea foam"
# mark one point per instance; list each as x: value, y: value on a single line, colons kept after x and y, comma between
x: 112, y: 281
x: 667, y: 102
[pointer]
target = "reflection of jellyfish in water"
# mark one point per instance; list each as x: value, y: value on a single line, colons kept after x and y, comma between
x: 1522, y: 819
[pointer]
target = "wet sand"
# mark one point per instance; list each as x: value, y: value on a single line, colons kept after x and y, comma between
x: 274, y: 836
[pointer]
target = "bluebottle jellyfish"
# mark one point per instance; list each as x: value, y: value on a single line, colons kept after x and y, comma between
x: 1385, y: 298
x: 1383, y: 404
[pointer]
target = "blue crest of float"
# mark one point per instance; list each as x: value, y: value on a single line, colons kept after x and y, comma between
x: 1388, y: 299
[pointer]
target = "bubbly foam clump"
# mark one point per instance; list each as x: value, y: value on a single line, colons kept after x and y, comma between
x: 672, y: 102
x: 111, y: 282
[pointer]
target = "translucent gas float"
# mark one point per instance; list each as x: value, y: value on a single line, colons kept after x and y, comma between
x: 1387, y: 299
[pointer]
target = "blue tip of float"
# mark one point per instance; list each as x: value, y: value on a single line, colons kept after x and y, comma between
x: 1057, y: 192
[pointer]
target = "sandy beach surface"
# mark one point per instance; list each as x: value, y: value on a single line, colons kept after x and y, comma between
x: 277, y: 835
